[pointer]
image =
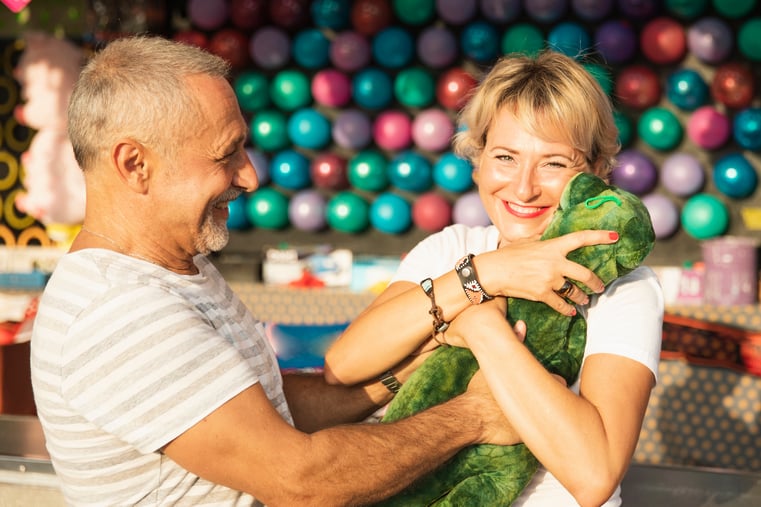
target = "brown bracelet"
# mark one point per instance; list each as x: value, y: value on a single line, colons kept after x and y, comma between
x: 466, y: 272
x: 439, y: 325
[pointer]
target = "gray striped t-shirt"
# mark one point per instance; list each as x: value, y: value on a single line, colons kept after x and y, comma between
x: 126, y: 356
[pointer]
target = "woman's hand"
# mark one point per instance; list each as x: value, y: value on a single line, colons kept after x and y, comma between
x: 537, y: 270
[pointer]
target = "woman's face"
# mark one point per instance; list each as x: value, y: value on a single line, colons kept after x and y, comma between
x: 520, y: 178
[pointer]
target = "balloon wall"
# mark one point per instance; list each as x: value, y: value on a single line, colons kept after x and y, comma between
x: 352, y: 105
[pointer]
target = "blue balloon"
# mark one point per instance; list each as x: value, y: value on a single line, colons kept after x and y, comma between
x: 372, y: 88
x: 393, y: 47
x: 410, y: 171
x: 390, y: 213
x: 238, y: 218
x: 453, y: 173
x: 311, y: 49
x: 480, y: 41
x: 686, y: 89
x: 309, y: 128
x: 569, y: 38
x: 261, y: 165
x: 735, y: 176
x: 747, y: 128
x: 290, y: 169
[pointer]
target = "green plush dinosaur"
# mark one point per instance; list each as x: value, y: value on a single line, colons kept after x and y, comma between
x: 492, y: 475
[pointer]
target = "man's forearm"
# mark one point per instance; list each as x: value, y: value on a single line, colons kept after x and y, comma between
x: 316, y: 404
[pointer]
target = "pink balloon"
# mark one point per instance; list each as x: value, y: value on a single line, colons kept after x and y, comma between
x: 708, y: 127
x: 392, y: 130
x: 331, y: 87
x: 432, y: 130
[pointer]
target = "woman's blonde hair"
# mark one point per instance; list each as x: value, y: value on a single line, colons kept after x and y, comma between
x: 554, y: 97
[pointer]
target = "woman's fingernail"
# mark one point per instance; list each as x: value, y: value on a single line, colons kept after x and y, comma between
x: 613, y: 236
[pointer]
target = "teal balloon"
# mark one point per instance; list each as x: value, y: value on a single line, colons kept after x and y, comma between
x: 660, y: 128
x: 251, y: 90
x: 311, y: 49
x: 269, y: 130
x: 367, y: 171
x: 348, y: 212
x: 268, y: 209
x: 415, y: 87
x: 625, y: 129
x: 410, y: 171
x: 704, y: 216
x: 290, y: 90
x: 735, y: 176
x: 390, y: 214
x: 414, y: 12
x: 238, y: 218
x: 522, y: 38
x: 453, y: 173
x: 309, y: 128
x: 372, y: 88
x: 290, y: 169
x: 748, y: 41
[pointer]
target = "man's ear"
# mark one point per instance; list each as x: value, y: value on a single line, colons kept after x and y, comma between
x: 129, y: 160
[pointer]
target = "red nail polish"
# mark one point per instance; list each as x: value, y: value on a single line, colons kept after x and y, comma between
x: 613, y: 236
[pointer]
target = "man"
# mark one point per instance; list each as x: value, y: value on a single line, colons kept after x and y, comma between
x: 153, y: 383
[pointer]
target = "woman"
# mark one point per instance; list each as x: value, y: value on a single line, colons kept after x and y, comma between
x: 531, y: 125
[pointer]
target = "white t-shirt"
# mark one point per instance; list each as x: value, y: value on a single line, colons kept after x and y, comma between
x: 125, y: 357
x: 625, y: 320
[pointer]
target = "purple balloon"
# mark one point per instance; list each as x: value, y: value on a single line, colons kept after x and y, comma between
x: 437, y: 47
x: 270, y: 47
x: 306, y: 210
x: 469, y: 210
x: 710, y: 39
x: 592, y: 10
x: 634, y: 172
x: 546, y: 11
x: 350, y: 51
x: 207, y: 14
x: 616, y: 41
x: 664, y: 214
x: 261, y: 165
x: 352, y: 129
x: 682, y: 174
x: 500, y: 11
x: 639, y: 9
x: 456, y: 12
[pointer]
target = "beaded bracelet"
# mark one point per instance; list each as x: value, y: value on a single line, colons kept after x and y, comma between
x: 466, y: 272
x: 439, y: 325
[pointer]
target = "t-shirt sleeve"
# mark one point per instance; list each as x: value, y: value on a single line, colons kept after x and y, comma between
x: 627, y: 319
x: 147, y: 372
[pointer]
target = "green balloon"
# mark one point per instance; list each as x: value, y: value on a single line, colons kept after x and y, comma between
x: 523, y: 38
x: 624, y: 126
x: 267, y: 208
x: 414, y: 12
x: 686, y: 9
x: 748, y: 40
x: 660, y: 128
x: 367, y: 171
x: 704, y: 216
x: 414, y: 87
x: 269, y: 130
x: 251, y: 90
x: 734, y: 9
x: 291, y: 90
x: 348, y: 212
x: 601, y: 75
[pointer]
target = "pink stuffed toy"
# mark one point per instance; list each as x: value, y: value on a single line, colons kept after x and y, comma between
x: 54, y: 184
